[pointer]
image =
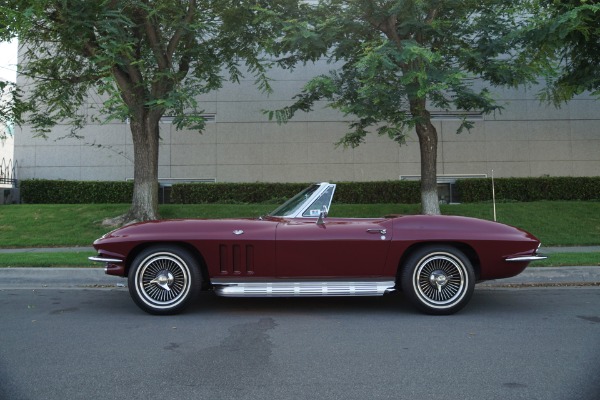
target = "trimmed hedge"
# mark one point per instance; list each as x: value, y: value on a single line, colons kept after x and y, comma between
x: 401, y: 192
x: 41, y: 191
x: 198, y: 193
x: 406, y: 192
x: 346, y: 192
x: 530, y: 189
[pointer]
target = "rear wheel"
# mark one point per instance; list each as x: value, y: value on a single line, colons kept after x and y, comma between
x: 164, y: 279
x: 438, y: 279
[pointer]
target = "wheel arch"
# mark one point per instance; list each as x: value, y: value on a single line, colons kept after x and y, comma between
x: 466, y: 249
x: 183, y: 245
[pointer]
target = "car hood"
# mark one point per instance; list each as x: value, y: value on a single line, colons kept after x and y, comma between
x: 178, y: 226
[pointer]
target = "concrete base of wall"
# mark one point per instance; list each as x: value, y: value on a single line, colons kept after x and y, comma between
x: 9, y: 195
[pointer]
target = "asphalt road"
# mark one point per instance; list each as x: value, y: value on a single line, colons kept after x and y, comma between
x: 541, y: 343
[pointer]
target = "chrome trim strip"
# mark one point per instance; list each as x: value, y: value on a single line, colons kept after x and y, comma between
x: 105, y: 260
x: 526, y: 258
x: 304, y: 289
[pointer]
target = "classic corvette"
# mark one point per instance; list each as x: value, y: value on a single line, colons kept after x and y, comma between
x: 297, y: 250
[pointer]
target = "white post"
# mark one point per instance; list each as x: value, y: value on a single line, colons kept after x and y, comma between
x: 493, y: 195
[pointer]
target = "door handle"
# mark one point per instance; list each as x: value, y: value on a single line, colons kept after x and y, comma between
x: 380, y: 231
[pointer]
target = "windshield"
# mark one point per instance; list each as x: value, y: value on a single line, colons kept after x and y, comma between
x: 324, y: 200
x: 292, y: 205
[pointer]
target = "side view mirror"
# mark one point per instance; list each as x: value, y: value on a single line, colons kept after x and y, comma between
x: 322, y: 216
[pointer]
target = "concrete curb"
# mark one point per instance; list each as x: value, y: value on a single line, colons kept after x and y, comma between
x: 552, y: 275
x: 40, y: 278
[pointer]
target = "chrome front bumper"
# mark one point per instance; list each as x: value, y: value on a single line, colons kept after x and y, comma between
x: 105, y: 260
x: 112, y: 266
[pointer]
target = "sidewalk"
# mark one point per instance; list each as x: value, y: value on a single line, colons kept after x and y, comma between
x: 63, y: 278
x: 47, y: 250
x: 552, y: 276
x: 567, y: 249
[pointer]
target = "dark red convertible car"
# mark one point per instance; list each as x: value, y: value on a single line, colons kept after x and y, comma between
x: 298, y: 251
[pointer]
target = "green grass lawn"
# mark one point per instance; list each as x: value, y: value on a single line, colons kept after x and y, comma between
x: 54, y: 225
x: 556, y: 223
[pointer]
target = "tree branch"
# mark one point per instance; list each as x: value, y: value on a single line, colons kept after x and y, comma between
x: 191, y: 11
x: 388, y: 27
x: 154, y: 39
x: 431, y: 15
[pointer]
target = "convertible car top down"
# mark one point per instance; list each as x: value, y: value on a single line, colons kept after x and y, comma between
x: 298, y: 251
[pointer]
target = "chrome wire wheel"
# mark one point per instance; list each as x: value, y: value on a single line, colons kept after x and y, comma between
x: 438, y: 279
x: 163, y: 280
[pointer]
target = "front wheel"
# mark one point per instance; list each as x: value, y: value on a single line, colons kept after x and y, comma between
x: 164, y: 279
x: 438, y: 279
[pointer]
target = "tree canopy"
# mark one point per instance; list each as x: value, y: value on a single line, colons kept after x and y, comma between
x: 144, y: 58
x: 395, y: 61
x: 7, y: 117
x: 568, y: 32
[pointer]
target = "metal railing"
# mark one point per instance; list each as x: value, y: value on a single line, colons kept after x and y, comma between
x: 8, y: 172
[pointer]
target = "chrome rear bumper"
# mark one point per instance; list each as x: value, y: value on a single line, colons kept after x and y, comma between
x: 535, y: 257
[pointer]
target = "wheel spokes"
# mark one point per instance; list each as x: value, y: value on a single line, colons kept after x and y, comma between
x: 163, y: 279
x: 440, y: 279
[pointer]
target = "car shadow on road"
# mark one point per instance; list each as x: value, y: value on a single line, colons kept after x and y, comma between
x: 484, y: 301
x: 209, y: 302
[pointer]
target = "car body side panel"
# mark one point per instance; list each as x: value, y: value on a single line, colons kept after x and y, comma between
x: 230, y: 247
x: 341, y: 247
x: 240, y: 248
x: 492, y: 242
x: 337, y: 248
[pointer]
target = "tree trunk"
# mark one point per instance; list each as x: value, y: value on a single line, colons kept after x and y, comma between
x: 428, y: 140
x: 144, y: 205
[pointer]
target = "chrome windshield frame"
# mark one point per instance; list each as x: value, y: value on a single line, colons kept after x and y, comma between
x: 296, y: 206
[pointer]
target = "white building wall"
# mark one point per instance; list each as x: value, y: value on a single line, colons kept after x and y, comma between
x: 7, y: 143
x: 526, y: 139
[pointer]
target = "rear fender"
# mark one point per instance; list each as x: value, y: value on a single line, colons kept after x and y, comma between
x: 467, y: 250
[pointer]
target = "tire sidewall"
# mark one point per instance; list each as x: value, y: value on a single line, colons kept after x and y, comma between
x: 409, y: 283
x: 189, y: 266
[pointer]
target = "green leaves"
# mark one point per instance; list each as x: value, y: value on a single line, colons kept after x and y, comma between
x: 154, y: 55
x: 242, y: 193
x: 41, y: 191
x: 567, y: 35
x: 392, y: 53
x: 12, y: 107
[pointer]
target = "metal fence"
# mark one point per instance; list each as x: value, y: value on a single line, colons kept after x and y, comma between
x: 8, y: 172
